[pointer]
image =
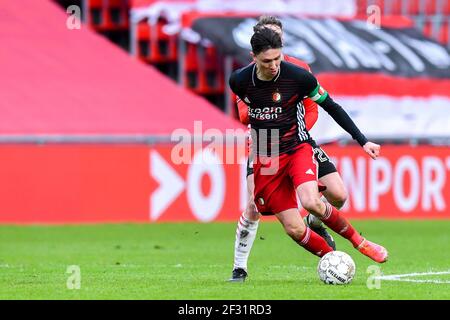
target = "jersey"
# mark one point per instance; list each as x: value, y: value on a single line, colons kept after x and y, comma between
x: 311, y: 109
x: 276, y: 111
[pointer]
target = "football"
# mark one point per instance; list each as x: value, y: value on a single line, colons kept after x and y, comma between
x: 336, y: 267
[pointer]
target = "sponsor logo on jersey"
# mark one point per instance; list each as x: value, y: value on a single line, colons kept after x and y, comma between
x: 309, y: 171
x: 268, y: 113
x: 246, y: 99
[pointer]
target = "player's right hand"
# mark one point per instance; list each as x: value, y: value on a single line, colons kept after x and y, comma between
x: 372, y: 149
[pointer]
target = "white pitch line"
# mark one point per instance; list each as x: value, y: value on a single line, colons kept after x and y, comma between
x: 420, y: 281
x: 399, y: 277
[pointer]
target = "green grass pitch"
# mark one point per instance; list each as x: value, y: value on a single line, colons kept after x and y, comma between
x: 184, y: 261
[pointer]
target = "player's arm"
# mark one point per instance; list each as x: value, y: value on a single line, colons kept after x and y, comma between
x: 311, y: 113
x: 311, y: 109
x: 237, y: 90
x: 243, y: 111
x: 322, y: 98
x: 234, y: 85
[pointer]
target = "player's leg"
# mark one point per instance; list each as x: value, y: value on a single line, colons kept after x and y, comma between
x: 307, y: 190
x: 301, y: 234
x: 246, y: 230
x: 310, y: 200
x: 276, y: 194
x: 335, y: 192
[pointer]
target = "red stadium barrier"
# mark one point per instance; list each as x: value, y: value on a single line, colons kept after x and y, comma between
x: 138, y: 183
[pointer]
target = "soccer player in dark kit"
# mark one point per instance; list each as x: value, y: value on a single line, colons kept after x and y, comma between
x: 284, y: 164
x: 332, y: 188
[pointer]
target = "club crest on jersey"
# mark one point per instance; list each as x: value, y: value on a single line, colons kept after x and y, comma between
x: 276, y: 96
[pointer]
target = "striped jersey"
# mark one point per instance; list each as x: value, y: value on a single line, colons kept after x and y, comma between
x: 275, y: 107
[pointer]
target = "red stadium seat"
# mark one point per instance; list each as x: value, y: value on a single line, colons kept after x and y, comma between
x: 155, y: 46
x: 381, y: 4
x: 143, y: 39
x: 430, y: 7
x: 413, y: 7
x: 211, y: 77
x: 362, y: 7
x: 428, y: 28
x: 163, y: 47
x: 191, y: 62
x: 393, y: 7
x: 108, y: 15
x: 365, y: 4
x: 446, y: 8
x: 443, y: 35
x: 118, y: 14
x: 95, y: 12
x: 203, y: 71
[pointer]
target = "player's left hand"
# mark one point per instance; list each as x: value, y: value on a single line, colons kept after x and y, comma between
x: 372, y: 149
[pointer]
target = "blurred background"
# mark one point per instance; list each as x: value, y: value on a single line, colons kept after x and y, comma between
x: 91, y: 92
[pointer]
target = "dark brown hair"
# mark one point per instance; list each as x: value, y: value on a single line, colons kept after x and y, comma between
x: 265, y: 20
x: 265, y: 39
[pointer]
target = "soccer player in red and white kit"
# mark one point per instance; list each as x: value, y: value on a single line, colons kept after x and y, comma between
x: 284, y: 164
x: 335, y: 192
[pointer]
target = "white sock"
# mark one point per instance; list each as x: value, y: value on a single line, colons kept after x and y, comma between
x: 245, y: 235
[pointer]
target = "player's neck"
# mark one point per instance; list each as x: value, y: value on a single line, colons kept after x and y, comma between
x: 263, y: 77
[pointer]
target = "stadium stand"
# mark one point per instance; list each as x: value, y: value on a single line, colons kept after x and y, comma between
x: 65, y: 85
x: 107, y: 15
x: 172, y: 39
x: 108, y: 111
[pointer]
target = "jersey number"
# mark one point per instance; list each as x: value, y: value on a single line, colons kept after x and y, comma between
x: 321, y: 155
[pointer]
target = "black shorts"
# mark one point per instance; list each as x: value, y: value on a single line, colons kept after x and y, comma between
x: 325, y: 164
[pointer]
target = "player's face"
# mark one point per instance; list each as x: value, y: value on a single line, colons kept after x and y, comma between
x: 268, y: 62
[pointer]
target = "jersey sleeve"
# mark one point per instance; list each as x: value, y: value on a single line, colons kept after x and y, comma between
x: 243, y: 111
x: 311, y: 113
x: 234, y: 84
x: 311, y: 108
x: 242, y: 107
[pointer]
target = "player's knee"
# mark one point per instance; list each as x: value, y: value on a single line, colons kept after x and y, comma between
x: 338, y: 199
x: 295, y: 231
x: 251, y: 212
x: 312, y: 204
